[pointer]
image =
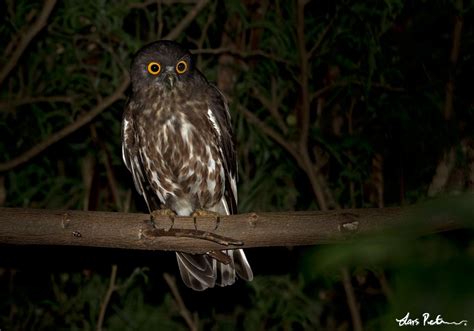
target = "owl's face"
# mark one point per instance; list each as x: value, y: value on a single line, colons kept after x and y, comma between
x: 163, y: 64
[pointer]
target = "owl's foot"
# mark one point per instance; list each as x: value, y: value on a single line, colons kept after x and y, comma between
x: 163, y: 212
x: 206, y: 213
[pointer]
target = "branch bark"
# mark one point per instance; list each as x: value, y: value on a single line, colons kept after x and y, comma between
x: 134, y: 231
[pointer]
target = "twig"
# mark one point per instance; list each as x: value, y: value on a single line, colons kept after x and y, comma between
x: 271, y: 105
x: 5, y: 104
x: 91, y: 71
x: 304, y: 119
x: 447, y: 163
x: 144, y: 4
x: 320, y: 38
x: 270, y: 132
x: 318, y: 183
x: 326, y: 88
x: 37, y: 26
x: 196, y: 234
x: 87, y: 169
x: 128, y: 201
x: 443, y: 171
x: 105, y: 46
x: 111, y: 178
x: 388, y: 87
x: 108, y: 295
x: 183, y: 24
x: 378, y: 179
x: 453, y: 60
x: 239, y: 53
x: 304, y: 110
x: 351, y: 300
x: 350, y: 130
x: 3, y: 191
x: 301, y: 157
x: 199, y: 42
x: 105, y: 157
x: 57, y: 136
x: 385, y: 286
x: 159, y: 18
x: 183, y: 311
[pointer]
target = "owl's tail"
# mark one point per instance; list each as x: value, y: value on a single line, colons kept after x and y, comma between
x: 200, y: 271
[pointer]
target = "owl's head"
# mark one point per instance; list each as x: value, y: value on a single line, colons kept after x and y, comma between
x: 163, y: 64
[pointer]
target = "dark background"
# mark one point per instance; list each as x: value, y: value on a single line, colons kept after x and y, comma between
x: 335, y: 104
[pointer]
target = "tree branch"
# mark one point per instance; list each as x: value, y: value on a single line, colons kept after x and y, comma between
x: 57, y: 136
x: 241, y: 54
x: 304, y: 118
x: 186, y: 20
x: 453, y: 60
x: 270, y: 132
x: 304, y: 109
x: 320, y: 39
x: 272, y: 105
x: 144, y: 4
x: 135, y: 231
x: 192, y: 323
x: 351, y: 300
x: 105, y: 302
x: 7, y: 104
x: 37, y: 26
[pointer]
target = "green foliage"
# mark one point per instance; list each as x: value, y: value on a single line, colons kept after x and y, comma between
x: 291, y: 309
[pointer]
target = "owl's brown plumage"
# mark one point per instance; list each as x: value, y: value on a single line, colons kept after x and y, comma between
x: 177, y: 142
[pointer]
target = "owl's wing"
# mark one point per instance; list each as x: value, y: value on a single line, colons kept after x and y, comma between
x: 133, y: 159
x: 219, y: 117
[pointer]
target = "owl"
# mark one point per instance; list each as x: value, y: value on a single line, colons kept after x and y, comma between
x: 178, y: 144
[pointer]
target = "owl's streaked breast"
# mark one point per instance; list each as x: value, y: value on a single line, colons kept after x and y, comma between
x: 181, y: 161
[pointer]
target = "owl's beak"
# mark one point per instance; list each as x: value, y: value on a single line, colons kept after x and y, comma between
x: 169, y: 78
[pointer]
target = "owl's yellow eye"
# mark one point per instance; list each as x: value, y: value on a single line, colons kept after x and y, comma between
x: 181, y: 67
x: 154, y: 68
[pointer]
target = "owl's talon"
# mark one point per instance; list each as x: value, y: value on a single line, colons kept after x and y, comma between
x: 206, y: 213
x: 160, y: 213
